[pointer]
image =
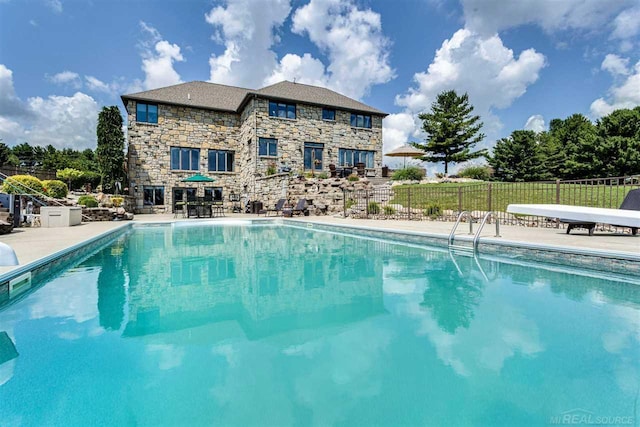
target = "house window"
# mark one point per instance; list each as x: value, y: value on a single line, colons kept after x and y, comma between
x: 328, y: 114
x: 146, y: 113
x: 153, y: 195
x: 186, y: 159
x: 268, y: 147
x: 348, y: 157
x: 213, y: 194
x: 221, y: 161
x: 313, y: 156
x: 360, y: 121
x: 282, y: 110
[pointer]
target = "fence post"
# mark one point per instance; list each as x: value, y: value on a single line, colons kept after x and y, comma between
x: 557, y: 191
x: 344, y: 203
x: 409, y: 201
x: 489, y: 198
x: 459, y: 199
x: 366, y: 200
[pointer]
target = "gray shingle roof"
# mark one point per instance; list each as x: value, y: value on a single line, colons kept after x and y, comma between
x: 195, y: 94
x: 315, y: 95
x: 230, y: 98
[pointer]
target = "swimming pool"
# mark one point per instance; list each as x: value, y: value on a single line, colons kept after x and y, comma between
x: 278, y: 325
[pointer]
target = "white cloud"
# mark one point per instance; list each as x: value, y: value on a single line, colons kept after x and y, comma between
x: 535, y: 123
x: 66, y: 78
x: 352, y: 40
x: 491, y: 16
x: 615, y: 65
x: 302, y: 69
x: 33, y: 22
x: 63, y: 121
x: 396, y: 129
x: 623, y: 95
x: 55, y: 5
x: 246, y: 28
x: 482, y: 67
x: 10, y: 104
x: 627, y: 24
x: 158, y: 58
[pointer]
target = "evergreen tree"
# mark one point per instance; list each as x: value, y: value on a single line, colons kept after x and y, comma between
x: 518, y: 158
x: 619, y: 149
x: 451, y: 130
x: 110, y: 149
x: 5, y: 152
x: 579, y: 140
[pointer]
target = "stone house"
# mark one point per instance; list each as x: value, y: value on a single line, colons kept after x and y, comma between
x: 236, y: 135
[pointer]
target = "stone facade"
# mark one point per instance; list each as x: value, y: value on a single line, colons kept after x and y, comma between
x: 149, y: 145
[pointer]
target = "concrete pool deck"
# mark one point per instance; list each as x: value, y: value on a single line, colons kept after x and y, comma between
x: 31, y: 244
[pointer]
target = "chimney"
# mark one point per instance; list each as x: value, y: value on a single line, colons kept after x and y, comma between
x: 189, y: 96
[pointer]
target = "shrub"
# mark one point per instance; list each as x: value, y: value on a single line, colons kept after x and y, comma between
x: 350, y: 203
x: 432, y: 210
x: 476, y: 172
x: 323, y: 175
x: 353, y: 177
x: 410, y: 173
x: 22, y: 184
x: 271, y: 169
x: 117, y: 201
x: 373, y: 208
x: 88, y: 201
x: 55, y: 188
x: 388, y: 210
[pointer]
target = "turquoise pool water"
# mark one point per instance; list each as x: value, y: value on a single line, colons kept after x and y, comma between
x: 275, y: 326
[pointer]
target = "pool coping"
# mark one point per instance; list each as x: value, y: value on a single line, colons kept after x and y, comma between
x: 618, y: 262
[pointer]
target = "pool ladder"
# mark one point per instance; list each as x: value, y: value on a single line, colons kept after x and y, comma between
x: 474, y: 246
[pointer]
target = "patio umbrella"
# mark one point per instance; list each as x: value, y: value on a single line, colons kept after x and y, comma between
x: 405, y: 151
x: 198, y: 178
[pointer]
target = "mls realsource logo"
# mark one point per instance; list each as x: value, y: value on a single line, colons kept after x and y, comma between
x: 580, y: 416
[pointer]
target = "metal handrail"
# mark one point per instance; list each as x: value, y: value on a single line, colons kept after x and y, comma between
x: 45, y: 199
x: 460, y: 216
x: 476, y: 237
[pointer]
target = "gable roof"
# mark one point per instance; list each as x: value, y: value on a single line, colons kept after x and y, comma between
x: 214, y: 96
x: 195, y: 94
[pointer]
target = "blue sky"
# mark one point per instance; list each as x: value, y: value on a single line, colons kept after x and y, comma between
x: 523, y: 62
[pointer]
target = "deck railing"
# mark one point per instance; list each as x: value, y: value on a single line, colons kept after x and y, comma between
x: 443, y: 202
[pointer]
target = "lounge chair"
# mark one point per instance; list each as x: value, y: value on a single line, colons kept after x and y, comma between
x: 277, y: 209
x: 299, y: 209
x: 585, y: 217
x: 6, y: 221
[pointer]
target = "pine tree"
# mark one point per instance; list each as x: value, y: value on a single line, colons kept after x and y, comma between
x: 451, y: 130
x: 110, y: 149
x: 518, y: 158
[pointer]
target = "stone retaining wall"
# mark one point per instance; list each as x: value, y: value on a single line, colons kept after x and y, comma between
x: 324, y: 196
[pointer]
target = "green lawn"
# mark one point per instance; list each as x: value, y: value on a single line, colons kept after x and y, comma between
x: 497, y: 195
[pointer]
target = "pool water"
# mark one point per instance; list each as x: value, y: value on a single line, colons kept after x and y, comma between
x: 274, y: 325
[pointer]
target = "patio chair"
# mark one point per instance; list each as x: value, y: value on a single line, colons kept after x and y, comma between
x: 299, y: 209
x: 277, y: 209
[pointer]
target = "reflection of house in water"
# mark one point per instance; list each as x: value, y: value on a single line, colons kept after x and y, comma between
x: 266, y: 279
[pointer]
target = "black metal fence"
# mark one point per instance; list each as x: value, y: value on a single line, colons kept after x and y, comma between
x: 42, y: 174
x: 444, y: 201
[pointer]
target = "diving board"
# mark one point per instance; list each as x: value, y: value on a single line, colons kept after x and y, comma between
x: 581, y: 214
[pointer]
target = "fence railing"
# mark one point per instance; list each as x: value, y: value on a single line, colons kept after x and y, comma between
x: 444, y: 201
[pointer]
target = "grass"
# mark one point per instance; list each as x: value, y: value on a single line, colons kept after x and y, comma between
x: 476, y: 196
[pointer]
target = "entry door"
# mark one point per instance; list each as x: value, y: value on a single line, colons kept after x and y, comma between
x: 313, y: 156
